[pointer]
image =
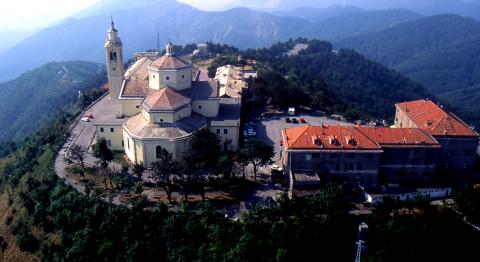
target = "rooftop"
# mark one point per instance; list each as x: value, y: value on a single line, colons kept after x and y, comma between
x: 229, y: 114
x: 136, y: 79
x: 398, y: 136
x: 137, y: 126
x: 202, y: 89
x: 106, y: 112
x: 167, y: 62
x: 435, y: 120
x: 328, y: 138
x: 165, y: 99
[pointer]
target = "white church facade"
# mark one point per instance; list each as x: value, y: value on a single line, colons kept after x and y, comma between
x: 160, y: 102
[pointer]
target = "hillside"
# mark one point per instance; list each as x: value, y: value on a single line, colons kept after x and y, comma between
x: 82, y: 38
x: 343, y: 82
x: 354, y: 23
x: 441, y: 52
x: 35, y: 97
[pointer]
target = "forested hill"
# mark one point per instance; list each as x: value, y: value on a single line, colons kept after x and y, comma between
x: 326, y: 79
x: 441, y: 52
x: 32, y: 99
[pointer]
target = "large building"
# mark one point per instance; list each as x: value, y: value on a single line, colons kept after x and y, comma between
x: 332, y: 152
x: 160, y: 102
x: 458, y: 141
x: 427, y: 141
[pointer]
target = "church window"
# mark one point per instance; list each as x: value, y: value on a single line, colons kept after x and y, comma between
x: 123, y: 143
x: 225, y: 131
x: 199, y: 107
x: 101, y: 129
x: 218, y: 131
x: 168, y: 78
x: 128, y: 143
x: 153, y: 76
x: 114, y: 69
x: 112, y: 129
x: 158, y: 152
x: 161, y: 120
x: 113, y: 56
x: 183, y: 76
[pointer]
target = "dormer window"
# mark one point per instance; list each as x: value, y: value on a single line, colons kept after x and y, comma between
x: 333, y: 141
x: 351, y: 141
x: 316, y: 140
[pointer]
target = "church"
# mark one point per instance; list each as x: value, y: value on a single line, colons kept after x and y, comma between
x: 160, y: 102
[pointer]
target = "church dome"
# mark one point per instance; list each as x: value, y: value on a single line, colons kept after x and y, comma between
x: 165, y: 99
x: 169, y: 62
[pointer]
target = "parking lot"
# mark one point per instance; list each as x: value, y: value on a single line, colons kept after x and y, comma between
x: 269, y: 128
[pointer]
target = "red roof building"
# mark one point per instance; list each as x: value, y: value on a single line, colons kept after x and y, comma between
x: 431, y: 118
x: 327, y: 138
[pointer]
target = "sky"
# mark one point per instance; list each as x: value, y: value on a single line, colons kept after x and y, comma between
x: 31, y: 14
x: 20, y: 15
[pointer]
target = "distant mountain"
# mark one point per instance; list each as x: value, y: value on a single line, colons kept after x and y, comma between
x: 469, y: 8
x: 9, y: 39
x: 315, y: 14
x: 350, y: 24
x: 30, y: 100
x: 140, y: 22
x: 441, y: 52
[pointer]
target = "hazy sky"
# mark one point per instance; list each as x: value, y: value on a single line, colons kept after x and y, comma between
x: 30, y: 14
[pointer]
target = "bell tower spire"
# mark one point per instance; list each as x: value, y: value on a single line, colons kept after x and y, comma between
x: 114, y: 52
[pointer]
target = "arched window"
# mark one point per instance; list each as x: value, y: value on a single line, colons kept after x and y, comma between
x: 158, y: 152
x: 113, y: 56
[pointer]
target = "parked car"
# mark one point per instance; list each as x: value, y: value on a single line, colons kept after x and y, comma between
x: 302, y: 120
x: 85, y: 119
x: 281, y: 142
x: 287, y: 120
x: 294, y: 120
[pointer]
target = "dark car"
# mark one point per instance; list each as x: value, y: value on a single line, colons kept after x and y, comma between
x: 294, y: 120
x: 287, y: 120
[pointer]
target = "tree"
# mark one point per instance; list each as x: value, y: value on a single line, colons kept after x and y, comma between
x: 122, y: 180
x: 105, y: 155
x: 164, y: 169
x: 78, y: 153
x: 243, y: 159
x: 102, y: 152
x: 224, y: 166
x: 259, y: 153
x: 204, y: 151
x: 138, y: 169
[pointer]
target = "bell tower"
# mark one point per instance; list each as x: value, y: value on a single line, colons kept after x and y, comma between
x: 115, y: 70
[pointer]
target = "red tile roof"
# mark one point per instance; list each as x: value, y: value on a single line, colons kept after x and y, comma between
x: 399, y: 136
x: 169, y: 62
x: 435, y: 120
x: 165, y: 99
x: 135, y: 87
x: 327, y: 138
